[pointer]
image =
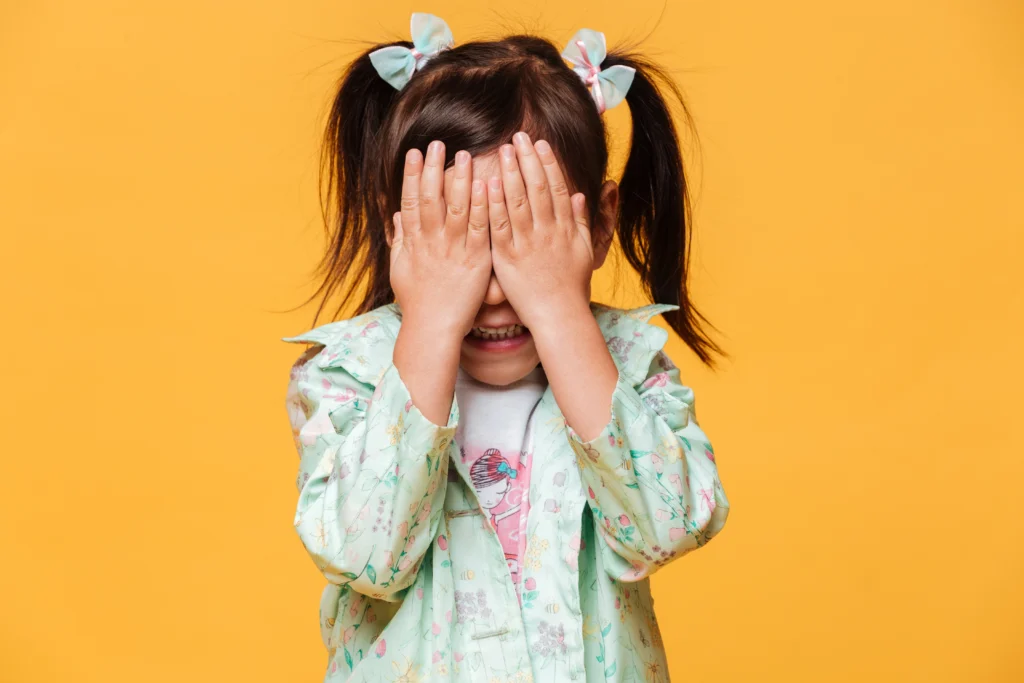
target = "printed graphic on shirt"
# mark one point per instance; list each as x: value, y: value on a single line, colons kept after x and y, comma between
x: 501, y: 484
x: 495, y: 435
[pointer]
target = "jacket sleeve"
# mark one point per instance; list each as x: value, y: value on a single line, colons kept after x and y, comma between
x: 651, y: 478
x: 372, y: 475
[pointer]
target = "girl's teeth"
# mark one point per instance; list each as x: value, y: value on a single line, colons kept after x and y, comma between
x: 497, y: 332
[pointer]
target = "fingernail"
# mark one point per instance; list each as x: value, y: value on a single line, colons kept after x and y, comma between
x: 478, y: 186
x: 410, y: 156
x: 521, y: 138
x: 462, y: 157
x: 434, y: 149
x: 495, y: 183
x: 509, y: 152
x: 542, y: 146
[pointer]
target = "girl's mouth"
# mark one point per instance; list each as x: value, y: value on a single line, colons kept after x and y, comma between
x: 498, y: 338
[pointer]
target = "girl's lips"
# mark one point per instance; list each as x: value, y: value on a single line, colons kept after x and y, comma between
x: 498, y: 345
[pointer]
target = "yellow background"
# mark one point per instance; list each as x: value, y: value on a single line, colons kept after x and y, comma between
x: 859, y: 243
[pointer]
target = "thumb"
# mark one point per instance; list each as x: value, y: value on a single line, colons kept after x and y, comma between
x: 579, y: 215
x: 395, y: 239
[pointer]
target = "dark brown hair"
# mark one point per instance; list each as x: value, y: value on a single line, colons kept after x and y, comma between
x: 474, y: 97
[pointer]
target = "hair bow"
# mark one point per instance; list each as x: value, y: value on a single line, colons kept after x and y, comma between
x: 504, y: 467
x: 586, y: 50
x: 396, y: 64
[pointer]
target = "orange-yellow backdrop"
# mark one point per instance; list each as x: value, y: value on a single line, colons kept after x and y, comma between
x: 858, y: 242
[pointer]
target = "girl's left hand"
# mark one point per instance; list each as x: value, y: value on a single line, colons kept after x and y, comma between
x: 541, y: 248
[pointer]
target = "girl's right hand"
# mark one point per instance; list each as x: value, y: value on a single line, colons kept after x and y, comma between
x: 440, y: 252
x: 440, y: 271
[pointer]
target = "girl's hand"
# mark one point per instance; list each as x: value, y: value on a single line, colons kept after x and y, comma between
x: 440, y: 254
x: 540, y: 238
x: 544, y: 258
x: 440, y: 270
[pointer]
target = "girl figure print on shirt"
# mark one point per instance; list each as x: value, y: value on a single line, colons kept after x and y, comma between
x: 500, y: 494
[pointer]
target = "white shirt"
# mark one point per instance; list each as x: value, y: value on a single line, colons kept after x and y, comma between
x: 494, y: 437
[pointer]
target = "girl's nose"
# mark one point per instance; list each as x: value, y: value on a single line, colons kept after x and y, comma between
x: 494, y: 295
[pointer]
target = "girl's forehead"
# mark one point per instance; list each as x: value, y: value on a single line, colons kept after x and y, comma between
x: 486, y: 165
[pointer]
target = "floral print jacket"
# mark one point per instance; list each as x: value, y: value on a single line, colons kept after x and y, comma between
x: 418, y: 587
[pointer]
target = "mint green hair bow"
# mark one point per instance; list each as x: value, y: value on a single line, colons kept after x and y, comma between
x: 586, y: 50
x: 397, y: 64
x: 503, y: 466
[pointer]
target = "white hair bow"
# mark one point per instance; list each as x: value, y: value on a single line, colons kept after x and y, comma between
x: 586, y: 50
x: 396, y: 64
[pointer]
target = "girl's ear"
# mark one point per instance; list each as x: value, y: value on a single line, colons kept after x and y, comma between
x: 604, y: 227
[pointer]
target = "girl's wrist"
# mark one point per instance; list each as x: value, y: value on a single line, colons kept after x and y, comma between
x: 437, y: 325
x: 557, y: 318
x: 557, y: 312
x: 444, y: 339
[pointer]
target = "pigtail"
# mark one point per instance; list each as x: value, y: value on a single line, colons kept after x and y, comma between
x: 654, y: 206
x: 349, y: 158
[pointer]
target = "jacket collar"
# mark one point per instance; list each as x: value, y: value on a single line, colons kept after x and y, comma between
x: 364, y: 345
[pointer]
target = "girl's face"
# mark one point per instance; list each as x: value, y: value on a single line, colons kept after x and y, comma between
x: 501, y: 361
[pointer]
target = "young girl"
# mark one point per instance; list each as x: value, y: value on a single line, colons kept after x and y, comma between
x: 493, y: 465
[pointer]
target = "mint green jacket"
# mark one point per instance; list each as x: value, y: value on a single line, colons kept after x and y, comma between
x: 418, y: 587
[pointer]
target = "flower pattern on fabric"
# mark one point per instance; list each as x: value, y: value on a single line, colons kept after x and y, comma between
x: 550, y: 640
x: 417, y: 583
x: 470, y: 606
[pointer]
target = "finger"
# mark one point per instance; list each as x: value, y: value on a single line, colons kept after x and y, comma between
x: 560, y: 198
x: 478, y: 236
x: 501, y: 224
x: 432, y: 188
x: 411, y: 190
x: 457, y: 207
x: 536, y: 180
x: 580, y: 217
x: 517, y: 203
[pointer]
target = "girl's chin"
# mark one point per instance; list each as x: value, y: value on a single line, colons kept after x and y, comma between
x: 499, y: 369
